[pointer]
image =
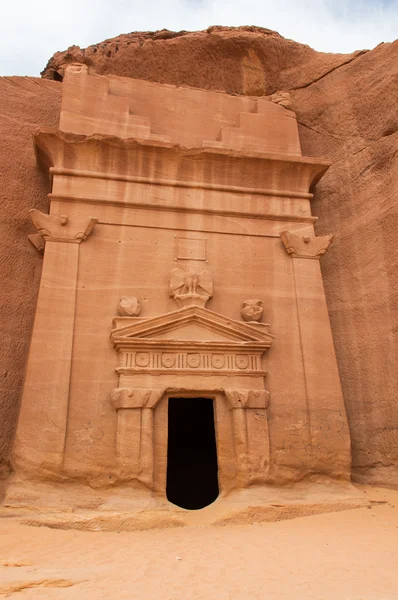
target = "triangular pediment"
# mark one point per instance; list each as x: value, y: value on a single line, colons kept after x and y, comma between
x: 195, y: 324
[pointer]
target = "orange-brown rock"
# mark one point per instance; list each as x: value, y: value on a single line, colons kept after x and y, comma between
x: 25, y: 103
x: 237, y: 60
x: 351, y: 118
x: 346, y: 111
x: 187, y: 401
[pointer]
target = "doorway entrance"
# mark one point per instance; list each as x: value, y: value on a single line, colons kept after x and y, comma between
x: 192, y: 469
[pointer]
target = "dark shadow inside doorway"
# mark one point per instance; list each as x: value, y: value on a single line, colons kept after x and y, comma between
x: 192, y: 470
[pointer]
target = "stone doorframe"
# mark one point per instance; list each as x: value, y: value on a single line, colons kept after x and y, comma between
x: 191, y: 351
x: 241, y: 429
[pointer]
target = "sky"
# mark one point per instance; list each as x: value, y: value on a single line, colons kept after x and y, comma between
x: 32, y: 30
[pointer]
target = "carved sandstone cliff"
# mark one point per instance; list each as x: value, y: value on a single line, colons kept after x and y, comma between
x: 346, y: 109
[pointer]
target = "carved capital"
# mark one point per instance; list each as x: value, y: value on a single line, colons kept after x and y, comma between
x: 135, y: 397
x: 247, y: 398
x: 62, y: 228
x: 299, y: 246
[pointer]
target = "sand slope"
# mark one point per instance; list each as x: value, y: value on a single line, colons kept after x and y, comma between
x: 349, y: 555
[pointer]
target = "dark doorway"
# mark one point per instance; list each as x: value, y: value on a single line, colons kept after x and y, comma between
x: 192, y: 468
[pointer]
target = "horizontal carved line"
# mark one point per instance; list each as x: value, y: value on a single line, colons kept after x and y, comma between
x: 237, y: 347
x: 181, y: 184
x: 193, y: 371
x: 183, y: 209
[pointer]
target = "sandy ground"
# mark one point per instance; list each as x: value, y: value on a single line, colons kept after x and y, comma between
x: 350, y: 555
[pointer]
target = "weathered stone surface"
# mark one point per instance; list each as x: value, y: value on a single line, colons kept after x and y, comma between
x: 237, y: 60
x: 195, y: 221
x: 346, y: 109
x: 25, y: 103
x: 351, y: 117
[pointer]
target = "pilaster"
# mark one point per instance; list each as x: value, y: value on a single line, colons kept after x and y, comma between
x: 42, y: 424
x: 327, y: 418
x: 134, y: 439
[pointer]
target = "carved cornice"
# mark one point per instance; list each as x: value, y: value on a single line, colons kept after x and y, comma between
x: 133, y: 161
x: 197, y: 185
x: 61, y: 228
x: 305, y: 246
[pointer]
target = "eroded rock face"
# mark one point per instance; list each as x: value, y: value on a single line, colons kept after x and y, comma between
x: 237, y: 60
x: 346, y: 109
x: 350, y: 117
x: 25, y: 104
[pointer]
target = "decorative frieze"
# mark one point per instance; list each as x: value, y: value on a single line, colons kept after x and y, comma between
x: 186, y: 361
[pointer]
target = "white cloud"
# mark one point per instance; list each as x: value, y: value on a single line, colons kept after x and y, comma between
x: 31, y: 32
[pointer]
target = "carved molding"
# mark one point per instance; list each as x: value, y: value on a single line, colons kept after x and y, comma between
x: 305, y: 246
x: 62, y: 228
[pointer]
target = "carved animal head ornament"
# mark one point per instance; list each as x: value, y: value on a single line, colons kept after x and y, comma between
x: 252, y: 310
x: 188, y: 288
x: 129, y: 306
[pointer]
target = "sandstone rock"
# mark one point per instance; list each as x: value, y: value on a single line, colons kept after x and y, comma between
x: 351, y: 118
x: 25, y: 103
x: 236, y: 60
x: 346, y: 109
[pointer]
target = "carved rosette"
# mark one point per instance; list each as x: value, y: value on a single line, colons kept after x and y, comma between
x: 193, y: 360
x: 299, y: 246
x: 61, y: 228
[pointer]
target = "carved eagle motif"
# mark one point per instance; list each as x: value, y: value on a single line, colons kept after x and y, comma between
x: 182, y: 282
